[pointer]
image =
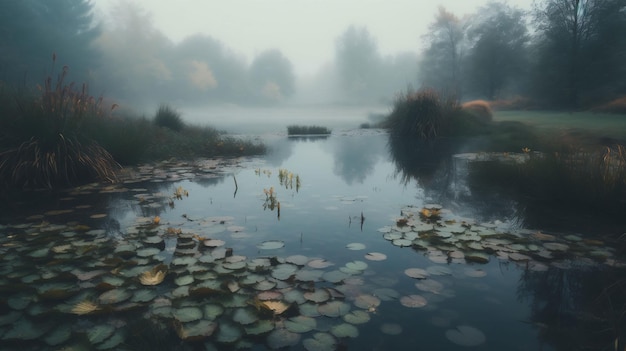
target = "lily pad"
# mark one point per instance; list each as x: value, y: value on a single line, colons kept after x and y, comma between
x: 345, y: 330
x: 300, y: 324
x: 416, y: 273
x: 281, y: 338
x: 375, y: 256
x: 355, y: 246
x: 271, y: 245
x: 413, y: 301
x: 320, y: 342
x: 464, y: 335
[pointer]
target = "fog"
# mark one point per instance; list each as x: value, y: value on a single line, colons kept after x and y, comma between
x: 237, y: 56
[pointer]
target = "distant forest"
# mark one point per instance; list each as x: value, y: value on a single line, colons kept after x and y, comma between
x: 567, y: 54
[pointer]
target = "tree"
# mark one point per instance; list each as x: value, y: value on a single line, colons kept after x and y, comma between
x: 271, y: 76
x: 134, y: 56
x: 441, y: 64
x: 496, y: 58
x: 358, y: 63
x: 578, y: 50
x: 209, y: 70
x: 32, y: 30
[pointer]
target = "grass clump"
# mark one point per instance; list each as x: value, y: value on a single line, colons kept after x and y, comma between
x: 422, y: 114
x: 480, y: 109
x: 167, y: 117
x: 42, y: 143
x: 307, y: 130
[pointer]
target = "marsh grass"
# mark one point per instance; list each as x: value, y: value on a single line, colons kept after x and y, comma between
x: 42, y: 144
x: 168, y: 117
x: 480, y: 109
x: 307, y: 130
x: 421, y: 114
x: 582, y: 178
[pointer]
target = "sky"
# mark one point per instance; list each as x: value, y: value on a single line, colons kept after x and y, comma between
x: 304, y: 30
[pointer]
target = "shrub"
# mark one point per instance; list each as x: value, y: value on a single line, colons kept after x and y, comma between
x: 422, y: 114
x: 480, y: 109
x: 42, y: 143
x: 169, y: 118
x: 307, y: 130
x: 617, y: 106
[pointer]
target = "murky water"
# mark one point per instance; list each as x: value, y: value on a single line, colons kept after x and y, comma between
x: 324, y: 244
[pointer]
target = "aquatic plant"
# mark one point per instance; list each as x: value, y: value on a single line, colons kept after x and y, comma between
x: 286, y: 178
x: 307, y: 130
x: 42, y: 144
x: 168, y: 117
x: 585, y: 178
x: 418, y: 114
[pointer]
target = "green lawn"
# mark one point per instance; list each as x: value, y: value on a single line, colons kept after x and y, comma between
x: 600, y: 124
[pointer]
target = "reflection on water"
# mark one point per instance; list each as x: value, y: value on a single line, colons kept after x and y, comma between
x: 353, y: 262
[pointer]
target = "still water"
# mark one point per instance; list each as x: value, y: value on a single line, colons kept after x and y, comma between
x: 323, y: 244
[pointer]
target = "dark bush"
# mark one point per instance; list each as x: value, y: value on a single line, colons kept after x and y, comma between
x: 168, y: 117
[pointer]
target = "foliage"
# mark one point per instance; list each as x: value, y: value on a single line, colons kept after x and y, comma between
x: 272, y: 68
x: 307, y: 130
x: 167, y: 117
x: 579, y: 59
x: 583, y: 177
x: 32, y: 30
x: 358, y: 61
x: 442, y: 60
x: 480, y: 109
x: 422, y: 114
x: 496, y: 57
x: 42, y: 144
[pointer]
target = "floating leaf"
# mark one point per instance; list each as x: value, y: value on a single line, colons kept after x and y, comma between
x: 414, y: 301
x: 300, y: 324
x: 320, y: 342
x: 154, y: 276
x: 281, y: 338
x: 416, y: 273
x: 195, y: 331
x: 357, y: 317
x: 260, y: 327
x: 318, y: 295
x: 465, y: 335
x: 345, y: 330
x: 367, y: 302
x: 319, y: 263
x: 84, y: 307
x: 271, y: 245
x: 333, y: 309
x: 100, y: 333
x: 355, y: 246
x: 391, y: 329
x: 244, y: 316
x: 187, y: 314
x: 376, y: 256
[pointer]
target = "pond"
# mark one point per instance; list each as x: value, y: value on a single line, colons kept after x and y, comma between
x: 324, y: 244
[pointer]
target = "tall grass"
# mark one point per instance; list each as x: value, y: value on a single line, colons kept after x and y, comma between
x: 168, y: 117
x: 307, y: 130
x: 589, y: 177
x: 59, y: 135
x: 42, y: 144
x: 422, y: 114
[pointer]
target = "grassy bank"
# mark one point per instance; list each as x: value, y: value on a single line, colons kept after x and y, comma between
x: 59, y: 135
x: 307, y: 130
x: 580, y: 165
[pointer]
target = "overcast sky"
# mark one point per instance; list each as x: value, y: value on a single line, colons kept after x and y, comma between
x: 304, y: 30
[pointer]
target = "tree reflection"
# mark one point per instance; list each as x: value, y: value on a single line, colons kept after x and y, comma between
x: 578, y: 309
x: 355, y: 157
x: 426, y: 161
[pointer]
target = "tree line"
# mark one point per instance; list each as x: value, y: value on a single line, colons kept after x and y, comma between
x: 562, y: 54
x: 130, y: 58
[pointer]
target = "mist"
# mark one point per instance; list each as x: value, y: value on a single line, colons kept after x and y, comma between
x: 206, y: 59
